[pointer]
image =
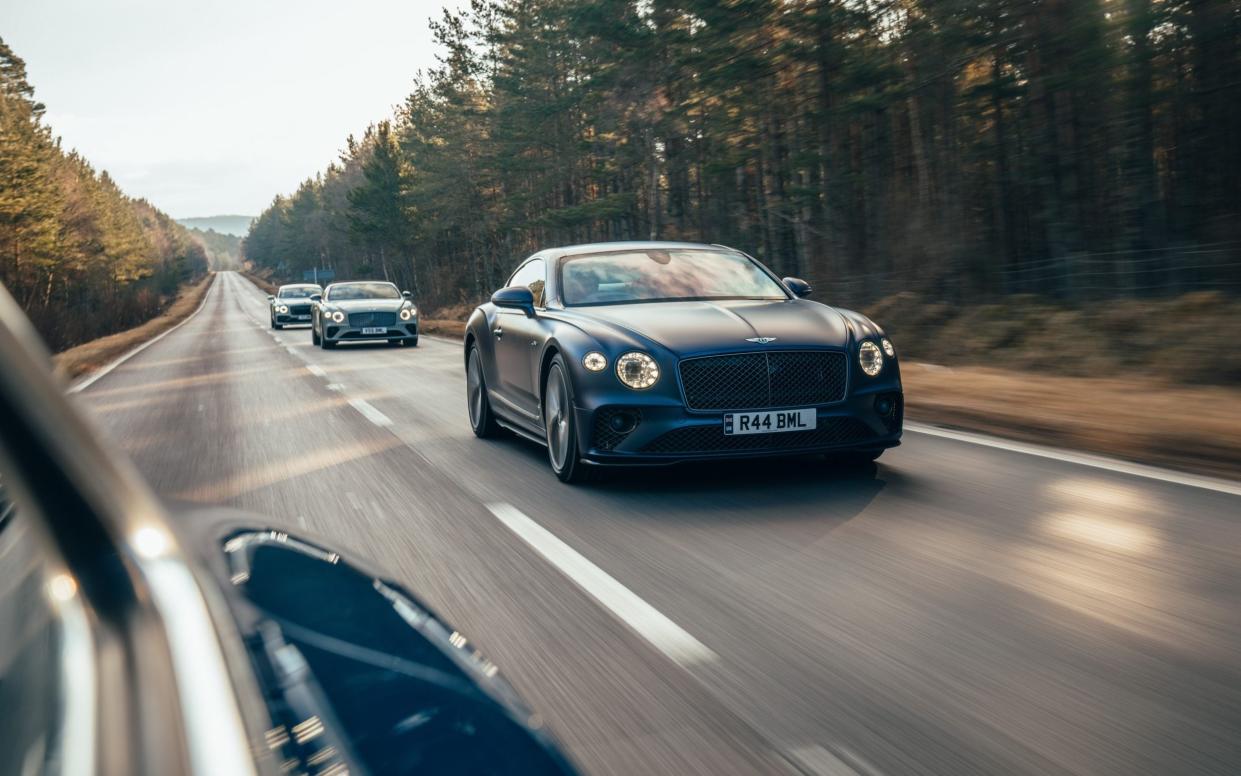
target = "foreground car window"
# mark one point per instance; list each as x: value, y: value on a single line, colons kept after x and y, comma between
x: 663, y: 276
x: 364, y: 291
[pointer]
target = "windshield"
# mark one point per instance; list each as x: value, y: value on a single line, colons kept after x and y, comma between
x: 299, y: 292
x: 663, y: 276
x: 363, y: 291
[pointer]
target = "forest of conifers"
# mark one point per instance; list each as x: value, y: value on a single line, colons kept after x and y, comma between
x: 82, y: 258
x: 963, y: 148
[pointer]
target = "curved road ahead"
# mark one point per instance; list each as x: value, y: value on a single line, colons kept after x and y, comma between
x: 958, y: 609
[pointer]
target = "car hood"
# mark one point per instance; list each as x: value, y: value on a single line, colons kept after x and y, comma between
x: 691, y: 327
x: 367, y: 305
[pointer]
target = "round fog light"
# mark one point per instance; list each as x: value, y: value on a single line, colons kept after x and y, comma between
x: 883, y: 406
x: 622, y: 422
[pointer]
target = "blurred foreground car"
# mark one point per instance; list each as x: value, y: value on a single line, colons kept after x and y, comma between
x: 361, y: 311
x: 292, y: 303
x: 647, y: 352
x: 220, y: 644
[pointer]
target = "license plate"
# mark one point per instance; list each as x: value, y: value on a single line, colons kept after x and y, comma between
x: 303, y: 317
x: 374, y: 330
x: 776, y: 421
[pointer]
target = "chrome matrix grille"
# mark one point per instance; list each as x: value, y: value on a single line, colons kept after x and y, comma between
x: 372, y: 319
x: 751, y: 381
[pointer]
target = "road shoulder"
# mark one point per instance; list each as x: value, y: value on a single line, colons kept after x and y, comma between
x: 89, y: 357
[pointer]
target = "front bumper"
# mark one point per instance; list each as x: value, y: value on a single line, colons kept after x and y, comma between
x: 291, y: 318
x: 664, y: 432
x: 343, y: 332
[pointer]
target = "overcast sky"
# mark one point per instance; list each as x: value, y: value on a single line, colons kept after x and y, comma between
x: 213, y: 108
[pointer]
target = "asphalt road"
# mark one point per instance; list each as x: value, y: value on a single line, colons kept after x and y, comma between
x: 957, y: 609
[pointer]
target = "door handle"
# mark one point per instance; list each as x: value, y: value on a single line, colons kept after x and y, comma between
x: 498, y: 332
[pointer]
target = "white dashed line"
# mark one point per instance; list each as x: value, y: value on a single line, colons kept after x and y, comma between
x: 370, y: 413
x: 316, y: 370
x: 820, y: 761
x: 1083, y: 459
x: 664, y: 634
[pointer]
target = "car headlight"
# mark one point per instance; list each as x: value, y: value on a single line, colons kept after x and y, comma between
x: 888, y: 349
x: 282, y: 308
x: 408, y: 313
x: 637, y: 370
x: 870, y: 358
x: 337, y: 316
x: 595, y: 361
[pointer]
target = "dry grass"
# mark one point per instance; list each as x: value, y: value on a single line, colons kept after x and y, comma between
x: 89, y: 356
x: 1186, y: 340
x: 262, y: 279
x: 442, y: 327
x: 1151, y: 421
x: 1195, y: 428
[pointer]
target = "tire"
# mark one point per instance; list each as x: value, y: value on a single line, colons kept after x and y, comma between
x: 314, y: 335
x: 412, y: 341
x: 560, y: 426
x: 482, y: 421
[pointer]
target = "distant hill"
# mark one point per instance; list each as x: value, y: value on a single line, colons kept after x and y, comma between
x: 223, y: 250
x: 235, y: 225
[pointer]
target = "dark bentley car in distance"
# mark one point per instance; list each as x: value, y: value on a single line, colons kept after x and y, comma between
x: 291, y: 304
x: 219, y: 643
x: 360, y: 311
x: 655, y: 352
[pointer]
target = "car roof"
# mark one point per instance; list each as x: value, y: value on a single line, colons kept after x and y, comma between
x: 360, y: 282
x: 301, y: 285
x: 621, y: 245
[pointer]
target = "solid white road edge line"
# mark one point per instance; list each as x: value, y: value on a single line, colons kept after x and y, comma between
x: 103, y: 371
x: 664, y: 634
x: 370, y: 413
x: 1083, y: 459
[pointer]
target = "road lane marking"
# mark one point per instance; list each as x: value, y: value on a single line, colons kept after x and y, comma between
x: 370, y: 413
x: 662, y: 633
x: 103, y: 371
x: 316, y: 370
x: 1083, y: 459
x: 820, y: 761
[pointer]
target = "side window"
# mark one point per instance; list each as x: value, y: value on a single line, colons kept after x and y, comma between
x: 532, y: 275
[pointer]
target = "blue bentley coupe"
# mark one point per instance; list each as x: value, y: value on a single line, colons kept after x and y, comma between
x: 658, y: 352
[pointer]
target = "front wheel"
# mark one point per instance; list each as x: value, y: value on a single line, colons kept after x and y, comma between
x: 482, y: 421
x: 560, y: 425
x: 314, y: 335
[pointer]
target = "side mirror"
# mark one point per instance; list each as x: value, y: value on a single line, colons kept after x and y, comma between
x: 316, y: 297
x: 407, y: 295
x: 515, y: 298
x: 271, y: 298
x: 800, y: 288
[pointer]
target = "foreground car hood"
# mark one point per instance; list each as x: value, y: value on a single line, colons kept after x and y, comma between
x: 368, y: 305
x: 691, y: 327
